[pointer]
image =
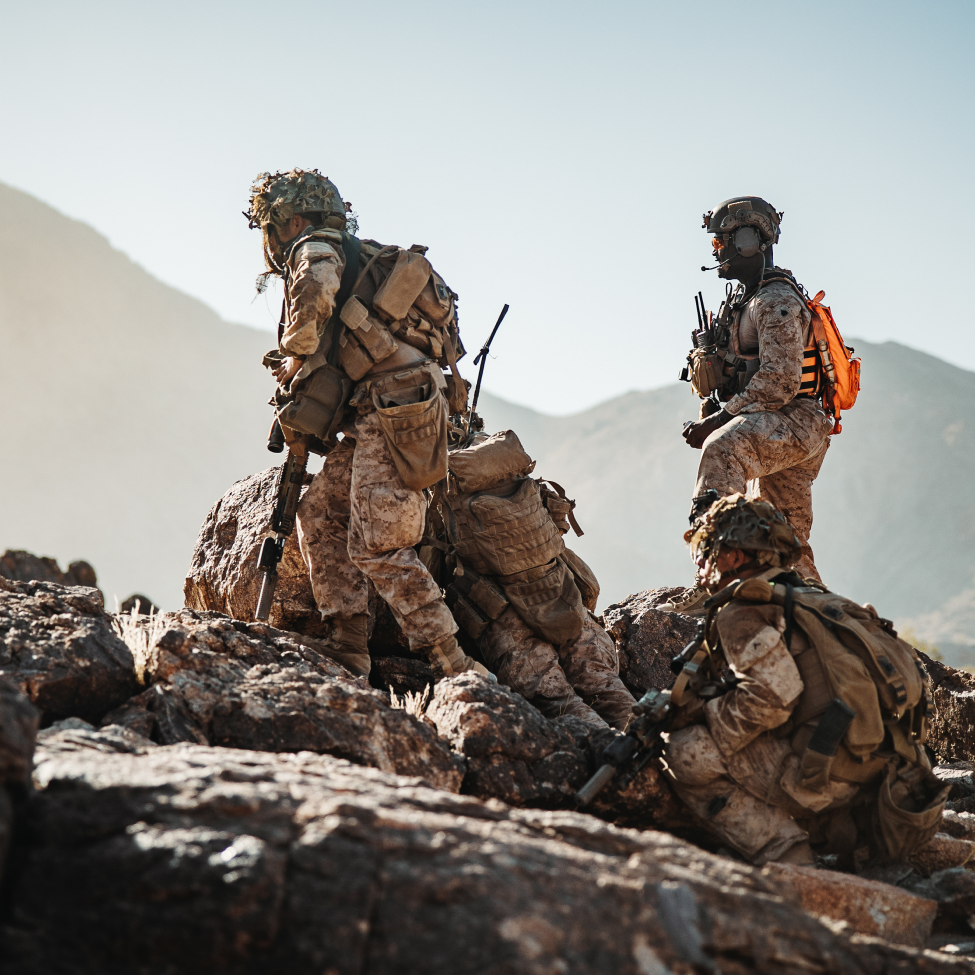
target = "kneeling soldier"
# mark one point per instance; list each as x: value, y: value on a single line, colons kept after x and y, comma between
x: 799, y: 721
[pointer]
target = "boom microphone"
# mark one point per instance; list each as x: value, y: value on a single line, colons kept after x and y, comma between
x: 716, y: 266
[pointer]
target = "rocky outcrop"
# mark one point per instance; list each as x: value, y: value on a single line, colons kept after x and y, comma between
x: 223, y: 574
x: 953, y: 729
x: 21, y: 566
x: 200, y: 859
x: 648, y: 638
x: 58, y: 645
x: 248, y: 685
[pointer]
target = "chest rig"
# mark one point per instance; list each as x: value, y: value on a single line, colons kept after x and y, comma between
x: 717, y: 368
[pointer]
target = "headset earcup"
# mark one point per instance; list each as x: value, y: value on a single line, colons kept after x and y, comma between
x: 748, y: 241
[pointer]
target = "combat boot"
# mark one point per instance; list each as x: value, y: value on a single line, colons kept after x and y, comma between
x: 690, y: 604
x: 348, y: 645
x: 450, y: 659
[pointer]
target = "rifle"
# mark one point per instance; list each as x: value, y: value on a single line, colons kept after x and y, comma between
x: 287, y: 495
x: 641, y: 744
x: 651, y: 716
x: 481, y: 358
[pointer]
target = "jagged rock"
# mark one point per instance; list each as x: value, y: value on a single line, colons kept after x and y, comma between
x: 953, y: 729
x: 58, y: 646
x: 223, y: 575
x: 249, y: 685
x: 515, y: 754
x: 954, y: 891
x: 199, y: 859
x: 867, y: 906
x: 21, y: 566
x: 647, y: 638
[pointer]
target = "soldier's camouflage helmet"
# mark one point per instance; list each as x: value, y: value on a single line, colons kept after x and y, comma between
x: 754, y: 526
x: 744, y: 211
x: 277, y: 197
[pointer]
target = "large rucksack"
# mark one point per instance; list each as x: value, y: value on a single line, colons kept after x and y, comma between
x: 864, y: 688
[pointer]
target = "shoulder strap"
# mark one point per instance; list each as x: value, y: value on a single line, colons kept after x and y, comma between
x: 350, y: 247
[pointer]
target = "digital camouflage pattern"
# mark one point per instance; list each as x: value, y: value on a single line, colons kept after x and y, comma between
x: 580, y: 678
x: 784, y: 450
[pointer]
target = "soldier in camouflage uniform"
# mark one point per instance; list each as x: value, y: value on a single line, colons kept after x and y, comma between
x: 762, y: 748
x: 525, y: 598
x: 380, y: 322
x: 760, y: 419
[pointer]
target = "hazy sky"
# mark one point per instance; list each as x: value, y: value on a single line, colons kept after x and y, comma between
x: 556, y: 156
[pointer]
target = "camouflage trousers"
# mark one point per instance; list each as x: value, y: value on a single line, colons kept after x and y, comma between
x: 784, y: 450
x: 580, y: 678
x: 357, y: 524
x: 752, y: 799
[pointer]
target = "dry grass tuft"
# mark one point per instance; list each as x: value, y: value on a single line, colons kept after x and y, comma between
x: 139, y: 633
x: 412, y: 702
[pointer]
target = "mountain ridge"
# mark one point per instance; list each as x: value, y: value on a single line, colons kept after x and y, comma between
x: 132, y: 407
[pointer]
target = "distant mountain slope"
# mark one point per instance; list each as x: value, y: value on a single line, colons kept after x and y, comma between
x: 129, y: 408
x: 894, y: 505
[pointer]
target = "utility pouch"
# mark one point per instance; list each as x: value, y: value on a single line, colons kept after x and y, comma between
x: 484, y: 594
x: 457, y: 390
x: 413, y: 417
x: 706, y: 371
x: 364, y: 341
x: 434, y: 302
x: 551, y: 605
x: 404, y: 283
x: 466, y: 613
x: 315, y: 401
x: 369, y: 330
x: 585, y: 578
x: 909, y: 809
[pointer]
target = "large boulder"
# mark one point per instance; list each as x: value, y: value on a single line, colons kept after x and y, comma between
x: 223, y: 575
x: 648, y: 638
x: 59, y: 646
x: 215, y: 680
x: 199, y: 859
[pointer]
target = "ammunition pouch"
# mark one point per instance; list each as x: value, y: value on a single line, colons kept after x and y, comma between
x: 364, y: 342
x: 467, y: 615
x: 412, y: 413
x: 706, y: 367
x: 315, y: 400
x: 549, y: 602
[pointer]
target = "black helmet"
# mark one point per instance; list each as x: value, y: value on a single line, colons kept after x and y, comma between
x: 744, y: 211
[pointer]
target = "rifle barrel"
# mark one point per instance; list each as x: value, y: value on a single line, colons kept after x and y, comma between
x: 589, y: 791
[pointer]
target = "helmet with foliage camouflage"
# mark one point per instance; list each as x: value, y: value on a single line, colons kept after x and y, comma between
x: 744, y: 211
x: 277, y: 197
x: 754, y: 526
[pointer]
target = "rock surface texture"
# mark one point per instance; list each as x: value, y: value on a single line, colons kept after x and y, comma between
x: 202, y: 859
x: 953, y: 731
x: 248, y: 806
x: 647, y: 639
x: 58, y: 645
x: 223, y: 574
x: 248, y: 685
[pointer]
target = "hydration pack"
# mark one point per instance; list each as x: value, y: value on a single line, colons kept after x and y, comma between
x: 838, y: 378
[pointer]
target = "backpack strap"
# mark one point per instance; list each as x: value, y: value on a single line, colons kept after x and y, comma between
x: 351, y: 247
